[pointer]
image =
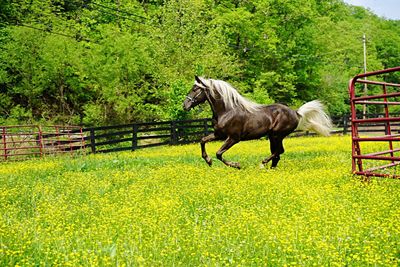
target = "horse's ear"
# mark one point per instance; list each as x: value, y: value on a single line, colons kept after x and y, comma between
x: 200, y: 80
x: 197, y: 78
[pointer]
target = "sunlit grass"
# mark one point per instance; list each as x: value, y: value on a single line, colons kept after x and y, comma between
x: 165, y: 206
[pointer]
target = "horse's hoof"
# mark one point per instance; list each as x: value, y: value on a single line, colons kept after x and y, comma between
x: 236, y: 165
x: 208, y: 161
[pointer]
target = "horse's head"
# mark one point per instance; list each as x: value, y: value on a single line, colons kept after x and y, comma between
x: 197, y: 94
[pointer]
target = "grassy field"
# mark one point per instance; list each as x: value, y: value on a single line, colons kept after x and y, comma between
x: 166, y: 207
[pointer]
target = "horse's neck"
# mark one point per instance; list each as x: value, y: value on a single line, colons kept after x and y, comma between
x: 217, y: 107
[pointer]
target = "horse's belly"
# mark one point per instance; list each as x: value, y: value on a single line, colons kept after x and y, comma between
x: 255, y: 134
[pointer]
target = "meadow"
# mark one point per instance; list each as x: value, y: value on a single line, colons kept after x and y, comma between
x: 166, y: 207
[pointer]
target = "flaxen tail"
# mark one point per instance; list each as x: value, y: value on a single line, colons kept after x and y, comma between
x: 313, y: 118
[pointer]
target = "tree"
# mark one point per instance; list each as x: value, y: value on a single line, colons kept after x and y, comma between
x: 120, y: 61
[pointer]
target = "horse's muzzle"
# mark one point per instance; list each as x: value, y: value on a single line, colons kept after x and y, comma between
x: 187, y: 105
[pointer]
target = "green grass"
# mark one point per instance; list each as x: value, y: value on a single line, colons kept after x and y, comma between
x: 166, y: 207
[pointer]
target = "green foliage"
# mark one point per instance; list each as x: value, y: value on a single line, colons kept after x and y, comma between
x: 86, y: 62
x: 177, y: 93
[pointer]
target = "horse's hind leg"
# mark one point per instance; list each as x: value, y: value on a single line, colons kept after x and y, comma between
x: 203, y: 142
x: 272, y: 144
x: 229, y: 142
x: 276, y: 148
x: 279, y: 150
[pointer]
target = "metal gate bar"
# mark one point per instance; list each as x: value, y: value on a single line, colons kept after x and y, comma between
x: 370, y: 164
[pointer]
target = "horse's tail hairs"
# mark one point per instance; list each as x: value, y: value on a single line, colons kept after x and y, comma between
x: 314, y: 118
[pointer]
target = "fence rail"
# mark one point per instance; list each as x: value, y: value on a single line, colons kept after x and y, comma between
x: 39, y: 141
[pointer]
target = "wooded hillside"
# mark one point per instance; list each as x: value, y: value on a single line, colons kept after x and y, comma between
x: 98, y: 62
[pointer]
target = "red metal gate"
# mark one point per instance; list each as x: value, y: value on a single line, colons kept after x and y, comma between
x: 370, y: 94
x: 21, y: 142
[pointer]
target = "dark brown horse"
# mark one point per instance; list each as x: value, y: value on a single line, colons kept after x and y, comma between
x: 236, y: 119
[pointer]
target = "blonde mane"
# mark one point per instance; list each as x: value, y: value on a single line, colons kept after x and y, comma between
x: 229, y: 95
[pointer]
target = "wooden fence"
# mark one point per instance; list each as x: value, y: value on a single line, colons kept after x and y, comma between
x: 141, y: 135
x: 130, y: 137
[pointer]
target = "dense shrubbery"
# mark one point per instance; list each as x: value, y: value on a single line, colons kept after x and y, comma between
x: 122, y: 61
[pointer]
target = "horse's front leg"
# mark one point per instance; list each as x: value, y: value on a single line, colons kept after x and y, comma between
x: 229, y: 142
x: 203, y: 142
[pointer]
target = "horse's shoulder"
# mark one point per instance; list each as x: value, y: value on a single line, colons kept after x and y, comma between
x: 230, y: 117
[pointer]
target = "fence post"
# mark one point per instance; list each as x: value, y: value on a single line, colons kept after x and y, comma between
x: 345, y: 124
x: 206, y: 131
x: 3, y: 135
x: 40, y: 139
x: 174, y: 137
x: 83, y: 145
x: 92, y: 140
x: 134, y: 136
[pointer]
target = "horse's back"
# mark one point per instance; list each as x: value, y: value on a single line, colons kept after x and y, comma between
x: 269, y: 119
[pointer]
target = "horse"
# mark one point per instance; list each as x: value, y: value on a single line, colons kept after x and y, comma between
x: 235, y: 119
